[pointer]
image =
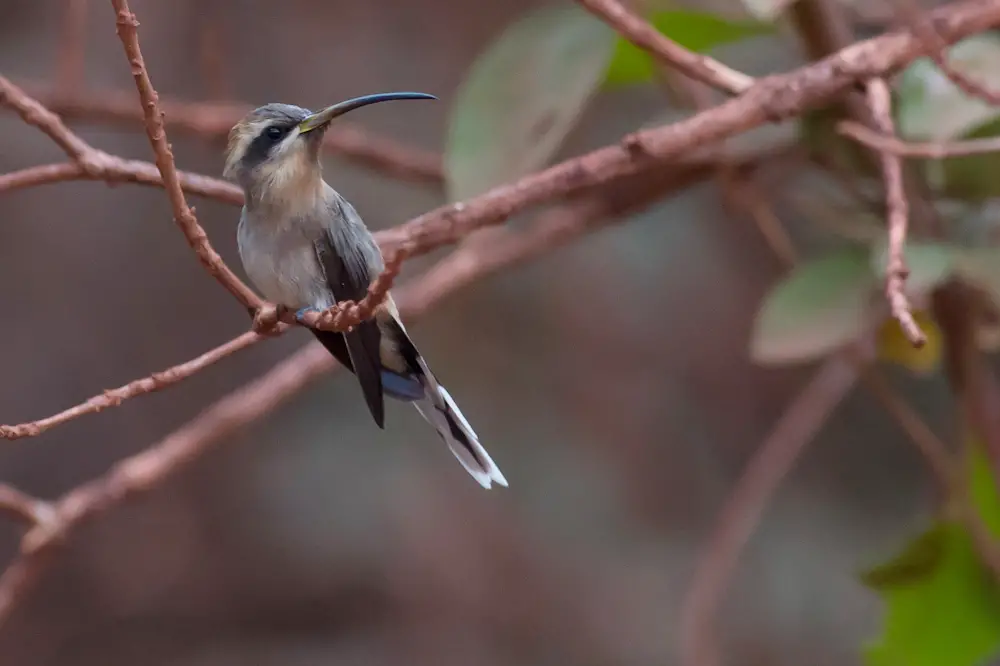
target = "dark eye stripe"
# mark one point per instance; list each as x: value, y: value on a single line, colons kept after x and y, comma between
x: 262, y: 145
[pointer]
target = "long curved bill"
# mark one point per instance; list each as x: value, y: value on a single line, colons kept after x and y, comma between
x: 322, y: 118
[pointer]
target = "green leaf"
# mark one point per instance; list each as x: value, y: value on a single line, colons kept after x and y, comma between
x: 523, y: 95
x: 819, y: 307
x: 932, y: 108
x: 930, y: 263
x: 942, y: 606
x: 948, y: 615
x: 697, y: 31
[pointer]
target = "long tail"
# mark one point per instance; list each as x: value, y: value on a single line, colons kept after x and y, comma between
x: 440, y: 411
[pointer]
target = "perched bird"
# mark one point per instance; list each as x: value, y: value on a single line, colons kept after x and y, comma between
x: 306, y: 248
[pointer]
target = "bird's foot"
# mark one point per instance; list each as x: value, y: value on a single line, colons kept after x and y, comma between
x: 266, y: 318
x: 300, y: 314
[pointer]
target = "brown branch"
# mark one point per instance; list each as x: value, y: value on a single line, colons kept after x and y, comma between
x: 743, y: 508
x: 934, y: 150
x: 112, y: 169
x: 34, y: 113
x: 24, y: 508
x: 127, y: 27
x: 258, y: 398
x: 214, y: 120
x: 769, y: 99
x: 114, y: 397
x: 638, y: 31
x: 879, y: 99
x: 942, y: 465
x: 935, y: 47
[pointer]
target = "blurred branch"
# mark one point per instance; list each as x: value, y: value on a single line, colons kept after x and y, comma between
x: 585, y: 180
x: 942, y: 465
x: 934, y: 150
x: 24, y: 508
x: 639, y: 31
x: 935, y: 48
x: 213, y: 120
x: 259, y: 398
x: 743, y: 508
x: 880, y: 101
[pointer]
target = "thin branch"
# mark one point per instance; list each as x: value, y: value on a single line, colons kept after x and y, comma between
x: 127, y: 28
x: 23, y: 508
x: 35, y: 114
x: 258, y: 398
x: 933, y: 150
x: 114, y: 397
x: 213, y: 120
x: 942, y: 465
x: 112, y: 169
x: 935, y: 47
x: 769, y: 99
x: 879, y: 99
x: 638, y: 31
x: 742, y: 511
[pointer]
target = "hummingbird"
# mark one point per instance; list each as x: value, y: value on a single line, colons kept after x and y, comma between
x: 306, y: 248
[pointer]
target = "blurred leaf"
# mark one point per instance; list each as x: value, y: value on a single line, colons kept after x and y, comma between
x: 893, y: 346
x: 942, y: 606
x: 971, y: 177
x: 819, y: 307
x: 943, y: 611
x: 981, y: 267
x: 697, y: 31
x: 523, y: 95
x: 931, y: 107
x: 930, y: 264
x: 916, y: 562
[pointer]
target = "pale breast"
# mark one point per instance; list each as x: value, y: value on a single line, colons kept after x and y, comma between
x: 282, y: 266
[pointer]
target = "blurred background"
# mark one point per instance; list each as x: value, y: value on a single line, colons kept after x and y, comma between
x: 610, y: 380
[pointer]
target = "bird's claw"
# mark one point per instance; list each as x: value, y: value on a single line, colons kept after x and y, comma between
x: 300, y: 314
x: 266, y: 318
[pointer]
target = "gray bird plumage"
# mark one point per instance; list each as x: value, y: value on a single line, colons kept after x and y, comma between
x: 305, y: 247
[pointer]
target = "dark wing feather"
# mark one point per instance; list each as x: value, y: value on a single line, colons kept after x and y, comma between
x: 364, y: 341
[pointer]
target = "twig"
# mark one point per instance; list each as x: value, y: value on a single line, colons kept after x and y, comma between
x: 345, y: 316
x: 769, y: 99
x: 898, y: 213
x: 252, y: 402
x: 35, y: 114
x: 214, y: 120
x: 114, y: 397
x: 24, y: 508
x: 941, y: 464
x: 144, y: 470
x: 744, y: 506
x: 934, y: 150
x: 112, y: 169
x: 935, y: 48
x: 638, y: 31
x: 127, y: 27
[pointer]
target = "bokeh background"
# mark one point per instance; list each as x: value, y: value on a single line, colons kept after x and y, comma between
x: 610, y: 380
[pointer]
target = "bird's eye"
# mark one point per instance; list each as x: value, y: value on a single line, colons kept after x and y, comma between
x: 274, y: 132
